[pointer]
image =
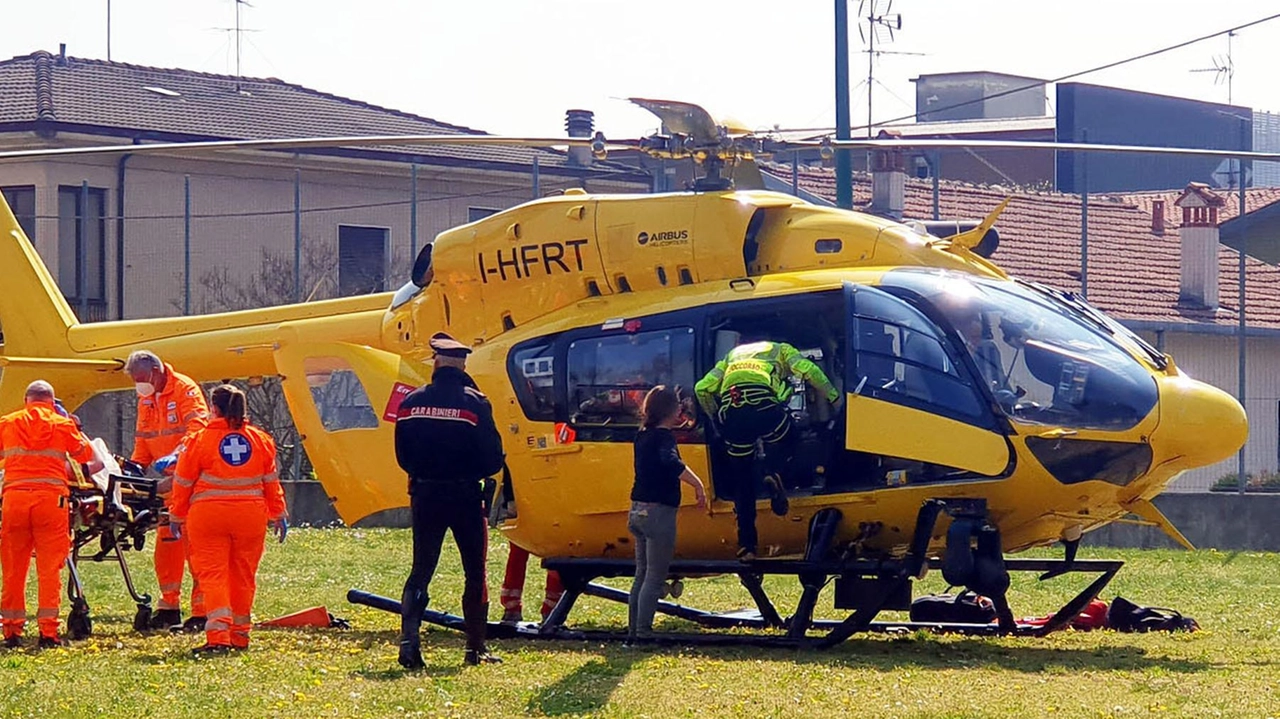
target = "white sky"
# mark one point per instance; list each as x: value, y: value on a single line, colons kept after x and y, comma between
x: 514, y: 66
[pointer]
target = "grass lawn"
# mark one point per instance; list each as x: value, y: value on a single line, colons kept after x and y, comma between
x: 1228, y: 669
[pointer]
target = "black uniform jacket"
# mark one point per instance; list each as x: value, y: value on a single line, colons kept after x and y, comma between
x: 446, y: 440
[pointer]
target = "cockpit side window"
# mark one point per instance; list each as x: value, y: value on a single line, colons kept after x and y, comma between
x: 901, y: 357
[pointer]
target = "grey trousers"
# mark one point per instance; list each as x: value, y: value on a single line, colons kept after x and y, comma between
x: 654, y: 528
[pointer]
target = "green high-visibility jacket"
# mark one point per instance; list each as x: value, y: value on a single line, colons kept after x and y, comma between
x: 761, y: 364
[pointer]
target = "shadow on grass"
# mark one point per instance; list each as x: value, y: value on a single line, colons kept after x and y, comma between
x: 586, y: 689
x: 433, y: 670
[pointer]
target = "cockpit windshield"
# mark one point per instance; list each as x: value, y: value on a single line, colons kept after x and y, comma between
x: 1044, y: 360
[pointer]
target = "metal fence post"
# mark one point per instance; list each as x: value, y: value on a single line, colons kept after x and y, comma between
x: 297, y: 235
x: 935, y: 163
x: 1243, y: 325
x: 1084, y: 221
x: 413, y: 212
x: 186, y: 244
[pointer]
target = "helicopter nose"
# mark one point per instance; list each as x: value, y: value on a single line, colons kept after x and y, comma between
x: 1199, y: 423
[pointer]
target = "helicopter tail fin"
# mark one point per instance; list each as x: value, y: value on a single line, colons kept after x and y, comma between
x: 34, y: 316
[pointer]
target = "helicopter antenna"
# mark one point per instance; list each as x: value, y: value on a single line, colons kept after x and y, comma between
x: 1223, y: 68
x: 876, y: 22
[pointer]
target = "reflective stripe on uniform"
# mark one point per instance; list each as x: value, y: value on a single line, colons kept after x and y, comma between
x: 13, y: 614
x: 21, y: 452
x: 184, y: 482
x: 215, y: 481
x: 240, y: 619
x: 20, y: 481
x: 47, y: 613
x: 228, y: 494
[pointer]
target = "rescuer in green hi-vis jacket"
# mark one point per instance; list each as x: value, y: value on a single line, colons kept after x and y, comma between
x: 746, y: 393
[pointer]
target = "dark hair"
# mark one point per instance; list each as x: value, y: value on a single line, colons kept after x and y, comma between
x: 230, y: 403
x: 660, y: 405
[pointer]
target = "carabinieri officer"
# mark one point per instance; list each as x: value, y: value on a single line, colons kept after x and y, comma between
x: 447, y: 443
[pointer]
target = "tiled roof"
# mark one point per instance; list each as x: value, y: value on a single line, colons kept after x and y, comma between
x: 1133, y: 273
x: 182, y: 104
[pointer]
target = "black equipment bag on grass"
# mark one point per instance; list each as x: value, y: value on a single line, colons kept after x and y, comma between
x: 1125, y: 616
x: 962, y: 608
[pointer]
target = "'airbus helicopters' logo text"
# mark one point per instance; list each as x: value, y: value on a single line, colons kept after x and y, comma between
x: 524, y: 261
x: 664, y: 239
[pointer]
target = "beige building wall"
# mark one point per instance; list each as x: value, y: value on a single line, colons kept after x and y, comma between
x: 1215, y: 359
x: 243, y: 206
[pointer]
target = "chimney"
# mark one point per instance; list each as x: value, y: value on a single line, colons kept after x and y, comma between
x: 888, y: 178
x: 579, y: 123
x: 1157, y: 217
x: 1199, y: 239
x: 62, y: 54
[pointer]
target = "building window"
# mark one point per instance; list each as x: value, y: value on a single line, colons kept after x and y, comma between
x: 362, y: 260
x: 479, y: 213
x: 22, y: 201
x: 82, y: 244
x: 609, y: 376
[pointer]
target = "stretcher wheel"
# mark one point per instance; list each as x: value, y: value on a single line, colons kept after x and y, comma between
x: 142, y: 620
x: 675, y: 588
x: 79, y: 625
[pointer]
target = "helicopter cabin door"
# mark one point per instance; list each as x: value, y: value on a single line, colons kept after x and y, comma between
x: 343, y: 398
x: 908, y: 396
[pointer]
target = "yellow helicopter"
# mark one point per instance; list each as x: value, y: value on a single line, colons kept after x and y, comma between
x: 1020, y: 413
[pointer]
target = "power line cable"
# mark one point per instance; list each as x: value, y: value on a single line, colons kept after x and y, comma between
x: 1069, y: 76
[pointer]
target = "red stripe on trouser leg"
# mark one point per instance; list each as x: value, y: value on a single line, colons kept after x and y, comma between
x: 33, y: 520
x: 555, y: 590
x: 227, y: 540
x: 513, y: 578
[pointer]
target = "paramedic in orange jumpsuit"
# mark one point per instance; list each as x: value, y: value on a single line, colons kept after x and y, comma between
x: 36, y: 442
x: 225, y: 493
x: 170, y: 407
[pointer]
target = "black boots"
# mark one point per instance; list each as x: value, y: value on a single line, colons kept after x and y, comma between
x: 474, y: 657
x: 413, y: 604
x: 165, y: 618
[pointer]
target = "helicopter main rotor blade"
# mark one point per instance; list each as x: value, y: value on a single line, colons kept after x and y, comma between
x: 683, y: 118
x: 299, y: 143
x: 923, y: 144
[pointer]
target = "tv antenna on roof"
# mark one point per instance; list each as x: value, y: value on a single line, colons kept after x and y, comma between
x: 1224, y: 68
x: 879, y: 27
x: 239, y: 31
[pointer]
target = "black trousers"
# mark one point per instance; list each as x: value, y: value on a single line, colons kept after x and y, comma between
x: 431, y: 517
x: 742, y: 426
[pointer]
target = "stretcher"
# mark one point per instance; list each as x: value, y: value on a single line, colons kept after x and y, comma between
x: 111, y: 513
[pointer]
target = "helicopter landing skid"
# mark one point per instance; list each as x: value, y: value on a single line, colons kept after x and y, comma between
x: 880, y: 591
x: 865, y: 585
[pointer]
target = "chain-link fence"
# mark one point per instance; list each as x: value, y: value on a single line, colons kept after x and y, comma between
x: 186, y: 237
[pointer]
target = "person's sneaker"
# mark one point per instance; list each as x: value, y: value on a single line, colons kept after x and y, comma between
x: 777, y: 495
x: 165, y: 618
x: 474, y: 657
x: 512, y: 617
x: 411, y: 655
x: 746, y: 555
x: 194, y: 625
x: 13, y: 642
x: 48, y: 643
x: 211, y: 650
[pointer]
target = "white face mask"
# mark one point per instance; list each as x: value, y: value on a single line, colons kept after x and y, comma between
x: 145, y: 389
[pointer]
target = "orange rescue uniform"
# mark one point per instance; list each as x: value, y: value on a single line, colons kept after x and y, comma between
x: 225, y: 491
x: 35, y: 442
x: 164, y: 419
